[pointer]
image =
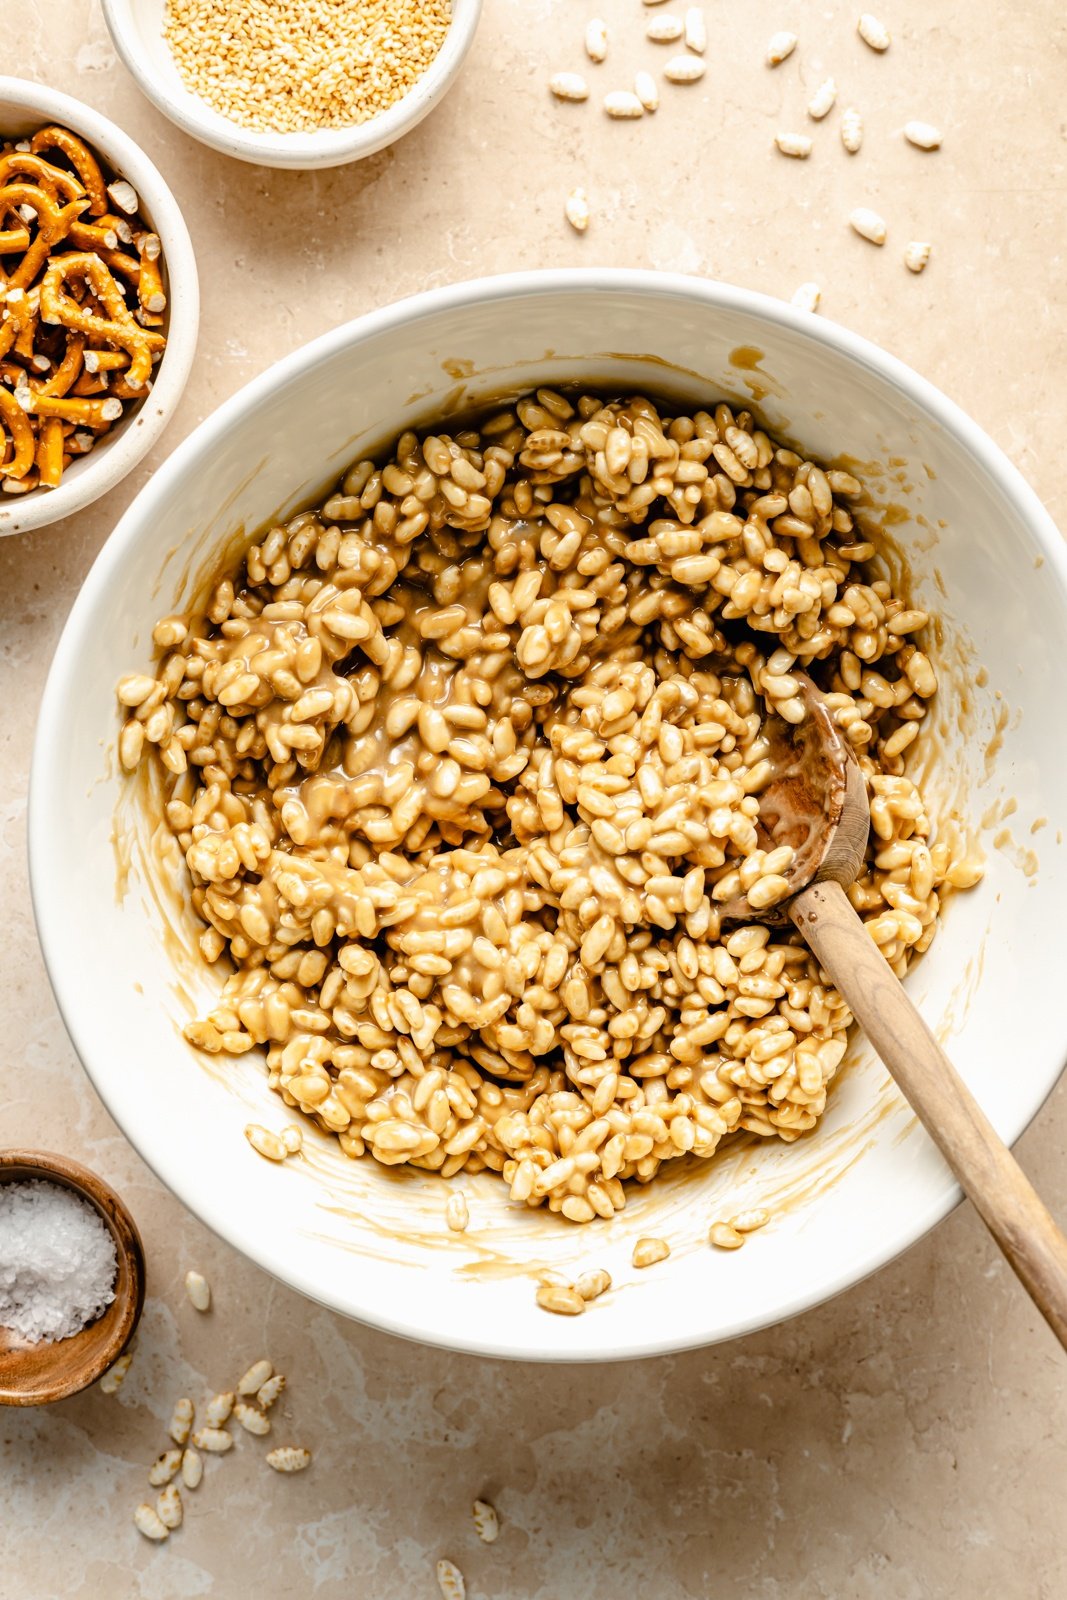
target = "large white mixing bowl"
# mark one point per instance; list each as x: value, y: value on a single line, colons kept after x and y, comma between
x: 372, y: 1243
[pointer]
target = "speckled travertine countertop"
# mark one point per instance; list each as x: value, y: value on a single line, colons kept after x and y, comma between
x: 903, y: 1441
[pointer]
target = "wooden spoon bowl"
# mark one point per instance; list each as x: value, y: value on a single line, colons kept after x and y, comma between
x: 36, y: 1374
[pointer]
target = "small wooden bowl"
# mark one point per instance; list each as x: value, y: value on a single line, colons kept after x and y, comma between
x: 36, y: 1374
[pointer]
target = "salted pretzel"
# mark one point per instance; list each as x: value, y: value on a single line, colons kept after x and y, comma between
x: 19, y: 438
x: 53, y: 224
x: 118, y: 328
x: 81, y: 159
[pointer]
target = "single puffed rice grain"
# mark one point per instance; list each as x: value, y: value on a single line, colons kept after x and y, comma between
x: 288, y: 1458
x: 218, y: 1409
x: 268, y: 1392
x: 251, y: 1418
x: 111, y: 1382
x: 192, y: 1468
x: 569, y: 86
x: 822, y: 101
x: 780, y: 48
x: 851, y: 130
x: 807, y: 297
x: 561, y: 1299
x: 873, y: 32
x: 198, y: 1289
x: 646, y: 91
x: 181, y: 1421
x: 916, y: 255
x: 621, y: 104
x: 648, y: 1251
x: 596, y: 39
x: 450, y: 1581
x: 724, y: 1237
x: 457, y: 1215
x: 255, y: 1377
x: 169, y: 1506
x: 215, y: 1441
x: 265, y: 1143
x: 696, y: 31
x: 749, y: 1221
x: 923, y: 135
x: 147, y: 1521
x: 576, y: 210
x: 684, y: 69
x: 797, y: 145
x: 486, y: 1521
x: 868, y: 224
x: 665, y: 28
x: 591, y: 1285
x: 164, y: 1467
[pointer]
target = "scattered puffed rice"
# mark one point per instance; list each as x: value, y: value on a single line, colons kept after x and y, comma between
x: 486, y: 1521
x: 807, y: 297
x: 181, y: 1420
x: 780, y: 48
x: 449, y: 1578
x: 696, y: 32
x: 269, y: 1392
x: 292, y: 1139
x: 646, y: 91
x: 569, y: 86
x: 164, y: 1467
x: 218, y: 1409
x: 255, y: 1377
x: 591, y: 1285
x: 749, y: 1221
x: 251, y: 1418
x: 576, y: 210
x: 923, y: 135
x: 457, y: 1216
x: 797, y: 145
x: 192, y: 1468
x: 124, y: 195
x: 868, y: 224
x: 216, y: 1441
x: 664, y: 29
x: 724, y: 1237
x: 111, y: 1382
x: 265, y: 1143
x: 169, y: 1506
x: 621, y: 103
x: 198, y: 1289
x: 851, y: 130
x: 916, y: 255
x: 822, y: 101
x: 288, y: 1458
x: 873, y: 32
x: 648, y: 1251
x: 147, y: 1521
x: 684, y: 69
x: 596, y: 39
x: 561, y: 1299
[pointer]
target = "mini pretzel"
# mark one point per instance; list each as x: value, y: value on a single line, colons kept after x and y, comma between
x: 53, y: 224
x: 95, y: 414
x: 17, y: 424
x: 50, y: 452
x: 68, y: 371
x: 120, y: 330
x: 53, y: 180
x: 150, y: 279
x: 81, y: 159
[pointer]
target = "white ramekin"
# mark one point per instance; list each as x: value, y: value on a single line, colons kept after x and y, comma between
x: 25, y: 107
x: 372, y: 1243
x: 136, y: 27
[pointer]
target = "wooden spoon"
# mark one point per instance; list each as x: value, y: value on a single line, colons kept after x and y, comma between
x: 816, y: 801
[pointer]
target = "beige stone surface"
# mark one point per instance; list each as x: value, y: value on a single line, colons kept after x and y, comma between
x: 904, y: 1441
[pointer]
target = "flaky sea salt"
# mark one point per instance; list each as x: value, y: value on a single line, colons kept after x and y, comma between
x: 57, y: 1261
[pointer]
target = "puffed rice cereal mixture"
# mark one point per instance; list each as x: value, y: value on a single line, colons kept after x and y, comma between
x: 464, y: 762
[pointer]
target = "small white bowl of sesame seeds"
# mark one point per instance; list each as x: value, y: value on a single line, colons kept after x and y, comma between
x: 294, y: 83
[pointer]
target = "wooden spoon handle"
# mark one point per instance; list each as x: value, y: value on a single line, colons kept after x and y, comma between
x: 1006, y: 1200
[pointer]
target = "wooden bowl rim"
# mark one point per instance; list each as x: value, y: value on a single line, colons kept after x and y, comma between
x: 64, y: 1378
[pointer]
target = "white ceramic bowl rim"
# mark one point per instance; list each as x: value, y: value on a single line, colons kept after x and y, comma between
x: 319, y: 147
x: 172, y: 1167
x: 135, y: 435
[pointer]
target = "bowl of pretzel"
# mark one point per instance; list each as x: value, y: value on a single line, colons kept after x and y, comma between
x: 99, y: 305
